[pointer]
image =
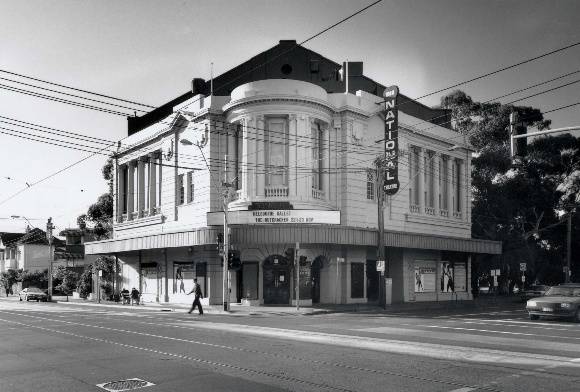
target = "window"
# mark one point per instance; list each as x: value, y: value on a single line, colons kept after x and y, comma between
x: 414, y: 175
x: 125, y: 175
x: 190, y: 187
x: 357, y: 280
x: 317, y: 156
x: 444, y: 178
x: 457, y: 183
x: 239, y: 146
x: 371, y: 184
x: 180, y: 190
x: 429, y: 177
x: 276, y: 140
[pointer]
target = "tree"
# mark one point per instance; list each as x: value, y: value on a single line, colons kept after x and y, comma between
x: 99, y: 215
x: 520, y: 206
x: 65, y: 280
x: 85, y: 283
x: 9, y: 279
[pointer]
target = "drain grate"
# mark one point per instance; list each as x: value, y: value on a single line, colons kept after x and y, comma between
x: 125, y: 385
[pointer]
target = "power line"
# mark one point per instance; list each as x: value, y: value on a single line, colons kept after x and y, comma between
x: 73, y: 95
x: 76, y: 89
x: 61, y: 100
x: 492, y: 73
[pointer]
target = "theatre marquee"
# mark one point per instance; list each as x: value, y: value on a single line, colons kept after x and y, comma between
x: 275, y: 217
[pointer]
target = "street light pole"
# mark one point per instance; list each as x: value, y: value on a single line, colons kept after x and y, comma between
x: 226, y: 281
x: 49, y: 237
x: 569, y: 248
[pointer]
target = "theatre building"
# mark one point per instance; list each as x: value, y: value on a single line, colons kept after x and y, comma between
x: 290, y: 139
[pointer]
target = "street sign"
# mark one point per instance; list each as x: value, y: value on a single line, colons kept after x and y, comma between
x: 495, y: 272
x: 381, y: 265
x: 523, y: 267
x: 340, y: 259
x: 100, y: 273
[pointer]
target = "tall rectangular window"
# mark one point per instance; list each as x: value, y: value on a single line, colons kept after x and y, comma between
x: 125, y: 190
x: 239, y: 146
x: 190, y: 187
x: 415, y: 167
x: 317, y: 145
x: 457, y: 181
x: 371, y: 184
x: 444, y: 176
x: 429, y: 179
x: 276, y: 135
x: 180, y: 190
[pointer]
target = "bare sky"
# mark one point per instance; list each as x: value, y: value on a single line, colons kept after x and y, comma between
x: 149, y: 51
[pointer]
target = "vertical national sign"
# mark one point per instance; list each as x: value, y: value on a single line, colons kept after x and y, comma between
x: 391, y: 164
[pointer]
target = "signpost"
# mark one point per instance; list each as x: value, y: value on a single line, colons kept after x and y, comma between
x: 380, y: 265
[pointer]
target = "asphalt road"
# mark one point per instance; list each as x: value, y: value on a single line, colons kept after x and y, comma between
x: 63, y: 347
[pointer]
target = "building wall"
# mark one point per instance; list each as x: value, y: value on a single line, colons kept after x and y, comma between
x: 34, y: 257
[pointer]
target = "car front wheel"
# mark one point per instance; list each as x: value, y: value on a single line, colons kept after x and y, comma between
x: 534, y: 317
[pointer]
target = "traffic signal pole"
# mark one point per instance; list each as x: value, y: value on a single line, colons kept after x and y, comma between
x: 49, y: 237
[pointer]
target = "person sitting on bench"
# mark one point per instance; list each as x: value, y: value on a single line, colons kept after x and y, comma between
x: 135, y: 296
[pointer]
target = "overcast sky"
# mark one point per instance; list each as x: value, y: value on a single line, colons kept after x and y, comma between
x: 148, y: 51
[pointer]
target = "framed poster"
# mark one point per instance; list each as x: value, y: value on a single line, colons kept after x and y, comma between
x: 447, y: 278
x: 183, y: 274
x: 460, y: 278
x: 425, y: 279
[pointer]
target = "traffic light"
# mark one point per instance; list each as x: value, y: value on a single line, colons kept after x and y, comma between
x: 519, y: 146
x: 289, y: 254
x: 234, y: 260
x: 220, y: 243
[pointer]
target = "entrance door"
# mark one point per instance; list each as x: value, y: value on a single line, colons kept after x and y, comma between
x: 315, y: 274
x: 373, y: 281
x: 277, y: 280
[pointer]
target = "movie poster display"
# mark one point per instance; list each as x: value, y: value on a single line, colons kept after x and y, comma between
x: 447, y: 279
x: 183, y: 274
x: 425, y: 279
x: 460, y: 278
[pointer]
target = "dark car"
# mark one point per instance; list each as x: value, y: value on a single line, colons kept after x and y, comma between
x: 561, y: 301
x: 536, y: 290
x: 33, y: 293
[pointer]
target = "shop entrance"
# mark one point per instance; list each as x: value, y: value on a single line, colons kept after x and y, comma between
x: 277, y: 275
x: 315, y: 273
x: 373, y: 281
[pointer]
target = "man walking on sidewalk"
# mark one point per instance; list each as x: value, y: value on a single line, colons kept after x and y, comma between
x: 196, y: 290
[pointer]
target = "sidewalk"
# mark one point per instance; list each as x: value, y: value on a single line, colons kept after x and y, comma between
x: 481, y: 303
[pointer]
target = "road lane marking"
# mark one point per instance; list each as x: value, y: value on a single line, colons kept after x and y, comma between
x: 513, y: 321
x: 430, y: 350
x: 494, y: 331
x: 466, y: 389
x: 514, y: 325
x: 287, y: 378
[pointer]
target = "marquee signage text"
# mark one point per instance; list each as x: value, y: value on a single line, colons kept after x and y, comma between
x: 391, y: 164
x: 268, y: 217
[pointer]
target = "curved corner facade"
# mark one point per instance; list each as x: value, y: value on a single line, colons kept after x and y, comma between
x: 290, y: 157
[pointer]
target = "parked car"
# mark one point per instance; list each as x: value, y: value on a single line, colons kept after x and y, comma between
x: 559, y: 301
x: 536, y: 290
x: 33, y: 293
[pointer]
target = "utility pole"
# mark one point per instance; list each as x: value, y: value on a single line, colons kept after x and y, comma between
x: 49, y: 237
x: 297, y: 266
x: 226, y: 282
x: 381, y: 231
x: 569, y: 248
